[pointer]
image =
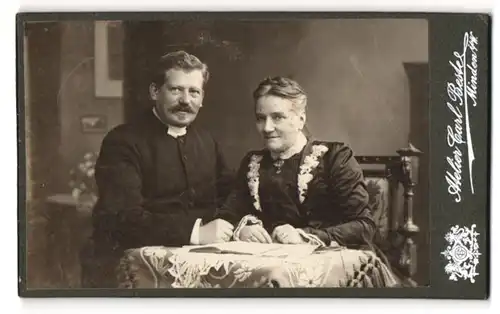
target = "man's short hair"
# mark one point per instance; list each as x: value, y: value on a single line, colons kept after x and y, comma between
x: 178, y: 60
x: 283, y: 87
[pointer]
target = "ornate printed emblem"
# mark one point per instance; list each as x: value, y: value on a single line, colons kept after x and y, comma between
x: 462, y: 253
x: 310, y: 163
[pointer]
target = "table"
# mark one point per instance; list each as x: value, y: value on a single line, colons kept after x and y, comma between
x: 68, y: 228
x: 162, y: 267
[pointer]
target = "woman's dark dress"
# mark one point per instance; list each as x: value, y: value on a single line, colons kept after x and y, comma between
x: 335, y: 207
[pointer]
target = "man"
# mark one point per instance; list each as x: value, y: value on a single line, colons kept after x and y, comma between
x: 160, y: 178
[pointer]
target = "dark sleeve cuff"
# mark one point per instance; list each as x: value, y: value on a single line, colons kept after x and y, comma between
x: 144, y: 228
x: 321, y: 234
x: 353, y: 233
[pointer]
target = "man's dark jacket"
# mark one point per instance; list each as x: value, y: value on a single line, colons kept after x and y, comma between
x: 152, y: 187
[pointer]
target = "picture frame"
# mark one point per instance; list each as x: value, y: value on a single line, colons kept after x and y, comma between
x: 106, y: 86
x: 93, y: 123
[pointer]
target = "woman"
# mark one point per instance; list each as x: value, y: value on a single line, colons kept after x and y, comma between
x: 297, y: 190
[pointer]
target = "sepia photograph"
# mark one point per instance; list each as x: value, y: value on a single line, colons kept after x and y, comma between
x: 227, y: 153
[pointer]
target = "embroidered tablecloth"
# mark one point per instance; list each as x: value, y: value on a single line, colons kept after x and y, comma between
x: 161, y: 267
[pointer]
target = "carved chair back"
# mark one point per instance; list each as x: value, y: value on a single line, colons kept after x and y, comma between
x: 390, y: 186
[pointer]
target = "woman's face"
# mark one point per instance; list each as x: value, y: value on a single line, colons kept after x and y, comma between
x: 277, y: 122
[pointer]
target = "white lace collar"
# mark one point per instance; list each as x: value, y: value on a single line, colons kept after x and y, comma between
x: 172, y: 130
x: 296, y: 148
x: 305, y: 175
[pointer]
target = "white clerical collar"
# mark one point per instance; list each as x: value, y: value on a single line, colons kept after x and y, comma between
x: 294, y: 149
x: 172, y: 130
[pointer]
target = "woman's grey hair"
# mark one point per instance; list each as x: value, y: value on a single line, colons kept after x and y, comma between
x: 285, y: 88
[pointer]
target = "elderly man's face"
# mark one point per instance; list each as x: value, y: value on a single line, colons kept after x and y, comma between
x: 277, y: 122
x: 179, y: 99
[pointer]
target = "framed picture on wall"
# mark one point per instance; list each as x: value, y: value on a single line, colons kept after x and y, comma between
x: 93, y: 124
x: 108, y: 53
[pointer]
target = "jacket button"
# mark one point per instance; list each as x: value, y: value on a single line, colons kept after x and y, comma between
x: 184, y: 157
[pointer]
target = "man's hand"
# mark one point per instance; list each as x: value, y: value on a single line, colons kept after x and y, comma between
x: 217, y: 230
x: 287, y: 234
x: 255, y: 233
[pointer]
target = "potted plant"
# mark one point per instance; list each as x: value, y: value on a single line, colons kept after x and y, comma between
x: 82, y: 182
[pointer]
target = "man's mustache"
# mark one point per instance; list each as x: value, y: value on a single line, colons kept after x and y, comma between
x: 182, y: 108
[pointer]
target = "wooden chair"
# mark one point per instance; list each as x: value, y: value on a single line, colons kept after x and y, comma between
x: 390, y: 183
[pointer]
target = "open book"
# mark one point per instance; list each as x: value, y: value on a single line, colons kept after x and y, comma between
x: 256, y: 249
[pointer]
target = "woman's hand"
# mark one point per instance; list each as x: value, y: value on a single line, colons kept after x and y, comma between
x: 255, y: 233
x: 287, y: 234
